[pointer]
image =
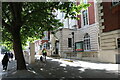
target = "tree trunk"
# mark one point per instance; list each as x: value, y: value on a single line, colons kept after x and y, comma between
x: 17, y: 47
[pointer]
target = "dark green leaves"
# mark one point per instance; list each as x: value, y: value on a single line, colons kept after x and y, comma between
x: 33, y: 18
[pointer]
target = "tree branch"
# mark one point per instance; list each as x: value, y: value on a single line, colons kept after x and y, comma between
x: 38, y: 11
x: 16, y: 9
x: 9, y: 39
x: 7, y: 26
x: 7, y: 16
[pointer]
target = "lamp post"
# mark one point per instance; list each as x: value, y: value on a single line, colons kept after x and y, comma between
x: 73, y: 40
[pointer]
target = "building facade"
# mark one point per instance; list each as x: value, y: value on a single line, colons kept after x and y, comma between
x: 109, y: 31
x: 59, y: 38
x: 96, y: 36
x: 62, y: 42
x: 88, y: 31
x: 73, y: 33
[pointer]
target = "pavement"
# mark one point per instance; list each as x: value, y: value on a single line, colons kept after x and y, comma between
x: 61, y: 68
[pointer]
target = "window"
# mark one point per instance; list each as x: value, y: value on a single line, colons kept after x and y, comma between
x: 44, y: 46
x: 85, y: 1
x: 85, y: 17
x: 87, y: 42
x: 99, y: 40
x: 115, y: 2
x: 118, y: 42
x: 69, y: 42
x: 48, y: 45
x: 40, y: 47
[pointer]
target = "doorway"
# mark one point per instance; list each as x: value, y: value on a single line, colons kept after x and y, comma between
x: 56, y: 47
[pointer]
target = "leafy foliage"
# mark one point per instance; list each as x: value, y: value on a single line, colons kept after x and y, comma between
x: 34, y: 18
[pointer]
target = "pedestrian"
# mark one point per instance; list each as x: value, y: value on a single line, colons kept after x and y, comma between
x: 44, y: 53
x: 41, y: 58
x: 8, y: 53
x: 11, y: 56
x: 5, y: 61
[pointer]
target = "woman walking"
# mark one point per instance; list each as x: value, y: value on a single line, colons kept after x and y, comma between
x: 44, y: 53
x: 5, y: 61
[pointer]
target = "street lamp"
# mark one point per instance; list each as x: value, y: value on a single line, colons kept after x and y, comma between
x: 73, y: 40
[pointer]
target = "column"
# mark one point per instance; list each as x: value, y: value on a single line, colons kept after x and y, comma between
x: 32, y: 53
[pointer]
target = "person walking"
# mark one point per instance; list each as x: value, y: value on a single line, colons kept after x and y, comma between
x: 44, y: 53
x: 5, y: 61
x: 11, y: 56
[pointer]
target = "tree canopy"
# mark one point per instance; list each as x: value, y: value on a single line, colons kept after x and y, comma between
x: 35, y: 17
x: 22, y: 21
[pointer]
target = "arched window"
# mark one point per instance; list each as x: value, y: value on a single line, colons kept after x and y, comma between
x: 87, y: 42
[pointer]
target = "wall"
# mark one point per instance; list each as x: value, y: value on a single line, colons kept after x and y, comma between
x: 108, y: 40
x: 111, y: 16
x: 91, y: 15
x: 52, y: 41
x: 68, y: 23
x: 93, y: 31
x: 108, y: 56
x: 91, y: 12
x: 109, y: 46
x: 65, y: 33
x: 62, y: 35
x: 109, y: 31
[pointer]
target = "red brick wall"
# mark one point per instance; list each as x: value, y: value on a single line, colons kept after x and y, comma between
x: 79, y: 21
x: 79, y: 16
x: 91, y: 13
x: 43, y: 41
x: 111, y: 17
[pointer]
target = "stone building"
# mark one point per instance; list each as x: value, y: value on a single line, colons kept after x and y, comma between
x: 109, y: 30
x: 88, y: 31
x: 59, y: 38
x: 96, y: 36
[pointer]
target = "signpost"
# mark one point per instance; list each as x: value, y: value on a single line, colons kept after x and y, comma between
x: 79, y: 46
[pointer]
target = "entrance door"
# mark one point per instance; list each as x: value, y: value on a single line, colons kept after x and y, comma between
x: 56, y: 47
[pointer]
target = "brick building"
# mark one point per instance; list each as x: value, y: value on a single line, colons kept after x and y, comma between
x: 88, y: 31
x: 109, y: 31
x: 86, y: 35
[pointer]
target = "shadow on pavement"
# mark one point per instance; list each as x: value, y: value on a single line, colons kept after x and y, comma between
x: 57, y: 70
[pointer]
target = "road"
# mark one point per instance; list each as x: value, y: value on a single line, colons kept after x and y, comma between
x: 63, y: 68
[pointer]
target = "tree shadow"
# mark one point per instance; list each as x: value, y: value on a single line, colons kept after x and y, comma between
x: 55, y: 69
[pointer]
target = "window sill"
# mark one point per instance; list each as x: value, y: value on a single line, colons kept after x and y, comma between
x: 85, y: 26
x: 69, y: 47
x: 87, y: 50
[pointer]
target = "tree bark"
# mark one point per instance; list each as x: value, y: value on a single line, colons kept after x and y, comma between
x: 17, y: 47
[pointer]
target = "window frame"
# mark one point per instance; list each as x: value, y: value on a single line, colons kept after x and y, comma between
x: 87, y: 45
x: 85, y: 17
x: 118, y: 45
x: 69, y: 42
x: 115, y: 2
